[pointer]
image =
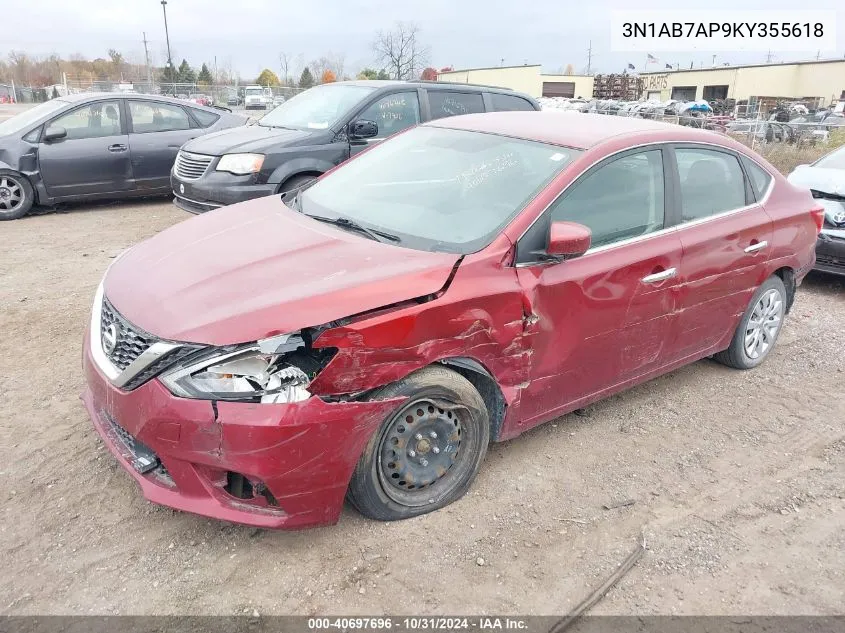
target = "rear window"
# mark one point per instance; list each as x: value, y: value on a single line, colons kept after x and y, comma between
x: 759, y: 176
x: 504, y: 103
x: 204, y: 118
x: 447, y: 103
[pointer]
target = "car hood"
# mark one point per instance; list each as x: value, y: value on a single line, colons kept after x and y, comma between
x: 248, y: 138
x: 830, y: 183
x: 257, y: 269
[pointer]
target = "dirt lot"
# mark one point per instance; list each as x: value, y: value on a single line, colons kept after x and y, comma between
x: 738, y: 480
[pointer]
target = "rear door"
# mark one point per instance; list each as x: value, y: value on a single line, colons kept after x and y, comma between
x: 498, y: 102
x: 392, y: 112
x: 94, y: 156
x: 156, y: 132
x: 726, y: 237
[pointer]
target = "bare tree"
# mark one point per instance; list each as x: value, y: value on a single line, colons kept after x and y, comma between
x: 284, y: 67
x: 400, y: 51
x: 333, y: 62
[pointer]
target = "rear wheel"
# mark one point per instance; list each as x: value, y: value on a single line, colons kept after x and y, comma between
x: 759, y: 327
x: 427, y: 452
x: 16, y: 195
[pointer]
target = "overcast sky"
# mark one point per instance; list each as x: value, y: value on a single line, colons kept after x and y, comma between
x: 250, y: 34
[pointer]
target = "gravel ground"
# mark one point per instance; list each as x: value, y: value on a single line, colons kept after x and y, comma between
x: 736, y: 477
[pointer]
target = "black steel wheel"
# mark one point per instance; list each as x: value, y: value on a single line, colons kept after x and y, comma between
x: 16, y: 195
x: 427, y: 452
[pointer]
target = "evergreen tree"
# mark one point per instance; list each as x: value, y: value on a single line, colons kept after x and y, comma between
x: 204, y: 76
x: 306, y: 79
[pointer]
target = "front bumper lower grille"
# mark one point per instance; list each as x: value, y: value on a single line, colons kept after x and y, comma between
x: 142, y: 458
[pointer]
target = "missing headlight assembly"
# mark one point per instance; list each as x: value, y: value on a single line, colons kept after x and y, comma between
x: 273, y: 370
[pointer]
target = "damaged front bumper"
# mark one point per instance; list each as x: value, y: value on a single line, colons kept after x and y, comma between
x: 830, y: 251
x: 282, y: 466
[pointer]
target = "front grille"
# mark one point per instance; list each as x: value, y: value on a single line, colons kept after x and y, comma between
x: 191, y: 166
x: 155, y: 368
x: 131, y: 341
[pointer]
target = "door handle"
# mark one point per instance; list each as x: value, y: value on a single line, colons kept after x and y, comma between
x: 117, y: 148
x: 663, y: 275
x: 756, y: 247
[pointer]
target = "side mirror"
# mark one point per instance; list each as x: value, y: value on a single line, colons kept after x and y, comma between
x: 568, y: 240
x: 54, y: 133
x: 362, y: 129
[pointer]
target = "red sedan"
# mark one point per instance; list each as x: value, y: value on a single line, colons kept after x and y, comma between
x: 458, y: 284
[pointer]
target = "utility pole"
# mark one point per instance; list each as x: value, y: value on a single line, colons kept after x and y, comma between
x: 589, y: 56
x: 147, y: 58
x: 769, y: 57
x: 169, y: 57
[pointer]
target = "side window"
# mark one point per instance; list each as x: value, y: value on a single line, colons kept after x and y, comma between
x: 393, y: 113
x: 759, y: 176
x: 445, y: 103
x: 92, y: 121
x: 711, y: 182
x: 152, y: 116
x: 205, y: 118
x: 620, y: 200
x: 503, y: 103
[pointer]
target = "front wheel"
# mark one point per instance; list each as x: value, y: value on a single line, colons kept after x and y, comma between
x: 759, y: 327
x: 16, y: 195
x: 427, y: 452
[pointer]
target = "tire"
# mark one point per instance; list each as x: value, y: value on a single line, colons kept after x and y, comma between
x: 296, y: 182
x: 767, y: 306
x: 443, y: 425
x: 16, y: 195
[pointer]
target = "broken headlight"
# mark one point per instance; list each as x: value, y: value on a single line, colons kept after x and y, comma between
x: 250, y: 374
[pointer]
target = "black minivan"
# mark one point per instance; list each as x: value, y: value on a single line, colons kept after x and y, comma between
x: 315, y: 131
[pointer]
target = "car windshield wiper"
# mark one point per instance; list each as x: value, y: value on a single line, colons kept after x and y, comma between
x: 346, y: 223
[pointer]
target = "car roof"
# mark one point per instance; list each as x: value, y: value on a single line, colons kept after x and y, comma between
x: 574, y: 129
x: 95, y: 96
x: 429, y: 85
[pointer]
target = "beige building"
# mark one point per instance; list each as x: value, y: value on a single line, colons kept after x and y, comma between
x: 528, y: 79
x: 821, y: 81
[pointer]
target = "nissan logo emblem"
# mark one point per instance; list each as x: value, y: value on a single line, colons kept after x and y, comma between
x: 181, y: 188
x: 110, y: 339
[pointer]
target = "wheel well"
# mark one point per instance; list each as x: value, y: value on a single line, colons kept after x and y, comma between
x: 787, y: 276
x: 281, y: 188
x: 486, y: 385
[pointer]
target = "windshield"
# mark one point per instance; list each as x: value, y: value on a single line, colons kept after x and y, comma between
x: 28, y: 118
x: 317, y: 108
x: 834, y: 160
x: 253, y: 92
x: 438, y: 189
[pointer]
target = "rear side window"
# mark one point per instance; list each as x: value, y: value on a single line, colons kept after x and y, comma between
x: 711, y: 182
x: 447, y: 103
x: 620, y: 200
x: 759, y: 176
x: 152, y: 116
x: 504, y: 103
x: 204, y: 118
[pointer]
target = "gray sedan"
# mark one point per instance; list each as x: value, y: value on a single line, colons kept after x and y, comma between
x: 104, y: 145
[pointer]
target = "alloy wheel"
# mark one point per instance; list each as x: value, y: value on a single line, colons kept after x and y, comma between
x: 763, y: 324
x: 11, y: 194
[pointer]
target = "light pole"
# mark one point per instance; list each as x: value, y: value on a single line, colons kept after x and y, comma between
x: 167, y: 37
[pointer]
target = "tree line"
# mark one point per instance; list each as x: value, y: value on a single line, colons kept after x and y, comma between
x: 399, y: 53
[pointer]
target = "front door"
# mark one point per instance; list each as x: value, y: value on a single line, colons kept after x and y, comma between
x: 157, y: 131
x: 94, y: 156
x: 602, y: 320
x: 726, y: 238
x: 392, y: 113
